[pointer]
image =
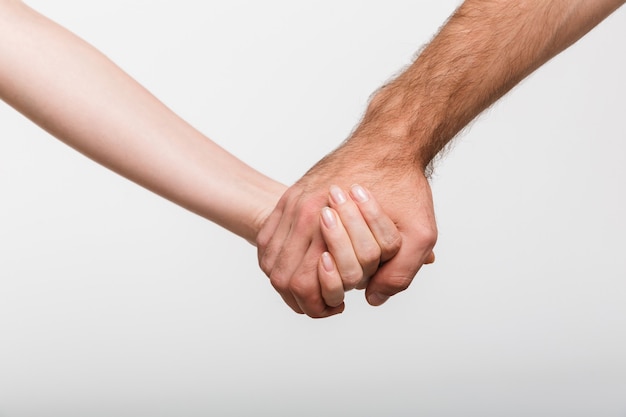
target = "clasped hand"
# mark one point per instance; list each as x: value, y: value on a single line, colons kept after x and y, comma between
x: 326, y: 237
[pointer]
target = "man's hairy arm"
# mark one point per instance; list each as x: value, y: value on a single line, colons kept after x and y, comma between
x: 483, y: 50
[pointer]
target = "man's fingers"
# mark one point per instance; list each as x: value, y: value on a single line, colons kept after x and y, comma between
x: 388, y: 281
x: 381, y: 226
x: 289, y: 299
x: 269, y: 246
x: 430, y: 259
x: 397, y: 274
x: 282, y: 272
x: 305, y: 285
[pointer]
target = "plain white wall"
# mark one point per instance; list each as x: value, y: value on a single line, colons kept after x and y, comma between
x: 116, y: 302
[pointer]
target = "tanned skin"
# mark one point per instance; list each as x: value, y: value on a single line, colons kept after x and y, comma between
x: 483, y: 50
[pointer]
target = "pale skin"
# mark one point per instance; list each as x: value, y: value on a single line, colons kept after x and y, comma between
x: 484, y: 49
x: 78, y: 95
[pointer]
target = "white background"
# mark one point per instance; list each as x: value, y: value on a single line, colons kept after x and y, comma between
x: 115, y: 302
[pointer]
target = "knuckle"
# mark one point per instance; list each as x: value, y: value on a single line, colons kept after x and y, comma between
x: 394, y: 242
x: 391, y: 245
x: 351, y: 279
x: 362, y: 284
x: 398, y: 283
x: 317, y: 313
x: 267, y: 259
x: 266, y: 265
x: 262, y: 240
x: 299, y: 287
x: 428, y: 237
x: 369, y: 256
x: 279, y: 281
x: 307, y: 293
x: 335, y: 299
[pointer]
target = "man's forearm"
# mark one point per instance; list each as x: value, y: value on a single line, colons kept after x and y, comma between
x: 483, y: 51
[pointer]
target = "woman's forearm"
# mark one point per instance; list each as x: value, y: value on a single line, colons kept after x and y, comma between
x: 78, y: 95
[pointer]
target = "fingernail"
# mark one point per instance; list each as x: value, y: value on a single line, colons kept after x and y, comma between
x: 377, y: 299
x: 327, y: 262
x: 359, y: 193
x: 328, y: 217
x: 337, y: 195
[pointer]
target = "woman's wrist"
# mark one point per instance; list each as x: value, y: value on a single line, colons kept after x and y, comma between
x: 265, y: 199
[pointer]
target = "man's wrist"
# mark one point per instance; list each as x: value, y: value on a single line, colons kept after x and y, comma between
x: 397, y: 129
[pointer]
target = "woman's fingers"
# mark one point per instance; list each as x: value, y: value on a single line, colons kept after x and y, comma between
x: 382, y: 227
x: 330, y: 281
x: 341, y: 247
x: 364, y: 243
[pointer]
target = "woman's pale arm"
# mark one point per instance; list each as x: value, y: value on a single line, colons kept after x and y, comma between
x: 81, y: 97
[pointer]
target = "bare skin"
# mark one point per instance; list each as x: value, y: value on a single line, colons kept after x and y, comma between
x: 484, y: 49
x: 78, y: 95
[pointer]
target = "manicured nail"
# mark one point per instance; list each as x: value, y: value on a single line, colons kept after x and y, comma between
x: 327, y: 262
x: 328, y: 217
x: 377, y: 299
x: 359, y: 193
x: 337, y: 195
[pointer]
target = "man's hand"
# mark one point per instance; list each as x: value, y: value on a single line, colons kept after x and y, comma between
x: 290, y: 242
x: 482, y: 51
